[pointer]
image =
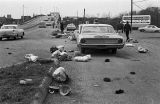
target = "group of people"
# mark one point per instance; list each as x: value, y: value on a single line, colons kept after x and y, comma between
x: 125, y: 28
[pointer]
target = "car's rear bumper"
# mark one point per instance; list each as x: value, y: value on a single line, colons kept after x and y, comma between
x: 101, y: 46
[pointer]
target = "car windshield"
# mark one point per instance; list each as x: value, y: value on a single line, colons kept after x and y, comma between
x: 98, y: 29
x: 9, y: 27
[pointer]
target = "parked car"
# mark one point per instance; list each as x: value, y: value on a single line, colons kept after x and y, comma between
x: 70, y: 28
x: 11, y: 31
x: 149, y: 28
x: 98, y: 36
x: 42, y: 24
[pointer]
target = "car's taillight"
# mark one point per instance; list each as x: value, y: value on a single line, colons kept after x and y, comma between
x: 83, y: 40
x: 120, y: 40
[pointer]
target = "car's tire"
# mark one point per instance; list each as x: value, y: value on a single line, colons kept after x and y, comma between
x: 0, y: 38
x: 156, y: 31
x: 142, y: 30
x: 15, y: 37
x: 82, y: 50
x: 114, y: 51
x: 22, y: 36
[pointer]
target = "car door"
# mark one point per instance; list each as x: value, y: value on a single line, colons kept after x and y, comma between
x: 148, y: 28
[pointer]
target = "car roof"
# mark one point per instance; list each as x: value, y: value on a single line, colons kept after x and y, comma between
x: 95, y: 25
x: 10, y: 25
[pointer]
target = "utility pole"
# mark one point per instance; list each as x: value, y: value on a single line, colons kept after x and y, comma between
x: 77, y: 18
x: 131, y: 12
x: 23, y: 12
x: 84, y: 16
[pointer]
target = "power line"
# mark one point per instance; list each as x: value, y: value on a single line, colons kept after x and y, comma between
x: 138, y: 6
x: 140, y: 1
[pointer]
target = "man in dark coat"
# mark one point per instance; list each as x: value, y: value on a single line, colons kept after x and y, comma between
x: 127, y: 29
x: 62, y: 26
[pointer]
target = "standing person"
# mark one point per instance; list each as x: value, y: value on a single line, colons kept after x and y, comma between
x: 120, y: 27
x: 62, y: 26
x: 127, y: 29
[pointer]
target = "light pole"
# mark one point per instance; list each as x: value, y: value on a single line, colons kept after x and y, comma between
x: 131, y: 12
x: 23, y: 12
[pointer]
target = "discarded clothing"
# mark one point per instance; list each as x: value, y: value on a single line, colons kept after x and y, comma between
x: 31, y: 57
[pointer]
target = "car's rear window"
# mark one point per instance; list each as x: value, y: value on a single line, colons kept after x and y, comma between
x: 98, y: 29
x: 9, y: 27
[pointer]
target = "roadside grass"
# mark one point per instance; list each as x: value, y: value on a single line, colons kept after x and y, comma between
x: 11, y: 91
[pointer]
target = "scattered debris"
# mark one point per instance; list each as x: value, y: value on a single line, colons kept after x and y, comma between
x: 53, y: 49
x: 96, y: 85
x: 61, y: 56
x: 60, y: 48
x: 58, y: 36
x: 53, y: 89
x: 56, y: 54
x: 77, y: 53
x: 26, y: 81
x: 132, y: 73
x: 71, y: 51
x: 120, y: 91
x: 85, y: 58
x: 10, y: 53
x: 107, y: 79
x: 64, y: 90
x: 129, y: 45
x: 60, y: 75
x: 107, y: 60
x: 135, y: 41
x: 142, y: 50
x: 31, y: 57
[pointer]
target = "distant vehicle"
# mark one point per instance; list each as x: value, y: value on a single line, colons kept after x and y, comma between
x: 42, y: 24
x: 70, y: 28
x: 98, y: 36
x: 137, y: 20
x: 149, y: 28
x: 48, y: 22
x: 11, y: 31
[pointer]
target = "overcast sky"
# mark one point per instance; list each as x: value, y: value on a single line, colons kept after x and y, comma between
x: 71, y: 7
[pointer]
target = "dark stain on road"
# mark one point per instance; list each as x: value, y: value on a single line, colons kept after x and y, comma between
x: 107, y: 79
x: 132, y: 73
x: 107, y: 60
x: 10, y: 53
x: 120, y: 91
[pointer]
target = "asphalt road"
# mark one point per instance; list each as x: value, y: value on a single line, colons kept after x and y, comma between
x: 87, y: 78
